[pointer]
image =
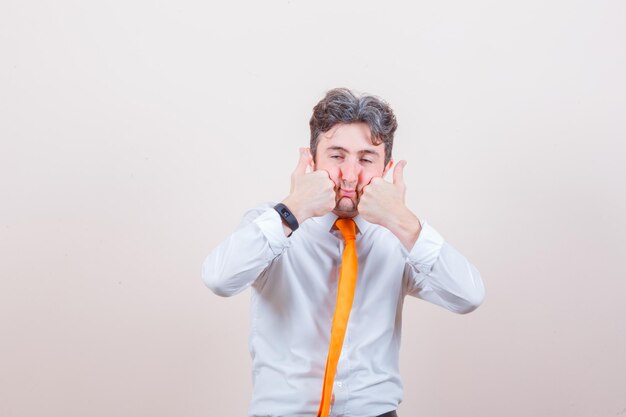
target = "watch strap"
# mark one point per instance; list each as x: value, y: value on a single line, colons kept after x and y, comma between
x: 287, y: 216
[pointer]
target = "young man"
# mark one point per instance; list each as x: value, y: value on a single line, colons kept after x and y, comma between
x: 305, y: 287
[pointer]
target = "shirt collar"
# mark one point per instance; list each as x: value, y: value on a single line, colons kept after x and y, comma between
x: 328, y: 221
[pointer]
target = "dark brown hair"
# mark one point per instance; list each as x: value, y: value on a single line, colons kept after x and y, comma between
x: 341, y: 105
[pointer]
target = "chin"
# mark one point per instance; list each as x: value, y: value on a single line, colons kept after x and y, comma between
x: 346, y: 210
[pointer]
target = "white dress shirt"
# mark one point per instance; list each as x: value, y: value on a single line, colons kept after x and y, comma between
x: 294, y: 288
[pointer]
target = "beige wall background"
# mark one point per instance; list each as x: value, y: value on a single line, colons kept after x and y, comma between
x: 134, y: 135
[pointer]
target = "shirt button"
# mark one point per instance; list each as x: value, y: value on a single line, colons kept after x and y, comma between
x: 339, y: 384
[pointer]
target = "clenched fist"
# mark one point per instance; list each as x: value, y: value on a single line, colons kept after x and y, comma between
x: 312, y: 193
x: 382, y: 203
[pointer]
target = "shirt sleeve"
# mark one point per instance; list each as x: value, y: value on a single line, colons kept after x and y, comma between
x: 436, y: 272
x: 238, y: 261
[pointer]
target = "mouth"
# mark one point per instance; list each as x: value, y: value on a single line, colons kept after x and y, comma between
x: 347, y: 193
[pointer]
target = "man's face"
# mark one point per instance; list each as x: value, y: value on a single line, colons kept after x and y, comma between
x: 346, y: 152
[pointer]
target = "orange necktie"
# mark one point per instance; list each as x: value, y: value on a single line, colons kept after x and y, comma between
x: 345, y: 296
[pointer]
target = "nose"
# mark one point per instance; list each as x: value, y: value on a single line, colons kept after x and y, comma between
x: 349, y: 171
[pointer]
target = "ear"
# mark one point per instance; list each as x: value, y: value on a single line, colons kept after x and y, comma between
x: 311, y: 160
x: 387, y: 168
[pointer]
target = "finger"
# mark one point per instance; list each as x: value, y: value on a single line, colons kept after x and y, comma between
x: 324, y: 174
x: 376, y: 180
x: 398, y: 173
x: 303, y: 162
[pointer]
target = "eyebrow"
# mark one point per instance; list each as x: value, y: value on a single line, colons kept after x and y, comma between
x: 362, y: 152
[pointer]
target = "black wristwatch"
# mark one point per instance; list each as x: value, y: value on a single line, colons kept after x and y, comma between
x: 288, y: 218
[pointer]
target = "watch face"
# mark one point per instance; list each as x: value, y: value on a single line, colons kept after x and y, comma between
x: 288, y: 217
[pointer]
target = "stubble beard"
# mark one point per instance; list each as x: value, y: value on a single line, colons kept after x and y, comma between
x: 346, y: 208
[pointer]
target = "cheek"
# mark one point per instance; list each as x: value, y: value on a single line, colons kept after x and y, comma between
x: 333, y: 173
x: 367, y: 174
x: 365, y: 179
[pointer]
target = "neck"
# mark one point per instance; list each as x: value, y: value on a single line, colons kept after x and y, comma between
x: 346, y: 214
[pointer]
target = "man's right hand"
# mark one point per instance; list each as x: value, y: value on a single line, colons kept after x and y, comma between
x: 312, y: 192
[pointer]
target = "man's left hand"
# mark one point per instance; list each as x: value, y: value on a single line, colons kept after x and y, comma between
x: 383, y: 203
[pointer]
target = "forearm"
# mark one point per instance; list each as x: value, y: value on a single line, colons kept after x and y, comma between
x: 440, y: 274
x: 405, y: 226
x: 239, y: 260
x: 298, y: 209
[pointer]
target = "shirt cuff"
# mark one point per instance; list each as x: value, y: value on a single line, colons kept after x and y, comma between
x: 271, y: 226
x: 426, y: 250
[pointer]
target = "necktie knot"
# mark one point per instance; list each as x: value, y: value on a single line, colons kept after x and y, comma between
x: 347, y: 227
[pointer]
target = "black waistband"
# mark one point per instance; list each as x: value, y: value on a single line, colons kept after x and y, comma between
x: 389, y: 414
